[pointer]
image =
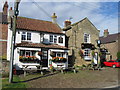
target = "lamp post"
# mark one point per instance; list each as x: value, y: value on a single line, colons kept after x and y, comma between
x: 16, y: 12
x: 98, y: 44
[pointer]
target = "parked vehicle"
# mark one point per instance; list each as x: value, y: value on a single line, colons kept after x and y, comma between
x: 112, y: 63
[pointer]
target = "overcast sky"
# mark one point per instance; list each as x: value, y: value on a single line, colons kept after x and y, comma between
x: 104, y: 15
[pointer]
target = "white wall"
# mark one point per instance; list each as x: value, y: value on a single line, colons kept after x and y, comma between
x: 17, y: 54
x: 9, y: 42
x: 35, y: 37
x: 65, y: 65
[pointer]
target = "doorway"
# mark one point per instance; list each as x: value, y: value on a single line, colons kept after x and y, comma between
x: 44, y: 59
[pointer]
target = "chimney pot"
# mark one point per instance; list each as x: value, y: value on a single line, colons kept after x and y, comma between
x: 106, y: 33
x: 54, y: 17
x: 67, y: 23
x: 5, y: 8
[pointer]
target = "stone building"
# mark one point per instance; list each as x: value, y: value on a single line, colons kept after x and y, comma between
x: 81, y: 36
x: 111, y: 43
x: 3, y: 31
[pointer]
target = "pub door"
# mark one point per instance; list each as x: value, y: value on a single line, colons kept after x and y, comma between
x: 44, y: 59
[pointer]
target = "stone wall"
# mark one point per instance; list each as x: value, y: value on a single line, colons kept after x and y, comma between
x: 112, y: 48
x: 76, y: 38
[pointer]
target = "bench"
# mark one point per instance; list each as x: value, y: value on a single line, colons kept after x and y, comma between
x: 25, y: 68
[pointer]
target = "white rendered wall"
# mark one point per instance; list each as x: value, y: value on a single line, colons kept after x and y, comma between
x: 9, y: 42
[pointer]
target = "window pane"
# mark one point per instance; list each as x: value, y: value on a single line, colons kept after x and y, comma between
x: 60, y: 40
x: 22, y: 53
x: 55, y: 39
x: 28, y: 36
x: 51, y: 38
x: 23, y: 36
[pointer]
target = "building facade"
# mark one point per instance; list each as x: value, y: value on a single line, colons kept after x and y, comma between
x: 111, y: 43
x: 3, y: 31
x: 38, y: 42
x: 81, y: 37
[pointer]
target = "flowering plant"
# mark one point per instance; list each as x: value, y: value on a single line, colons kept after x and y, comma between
x: 58, y: 59
x: 28, y: 59
x: 81, y: 53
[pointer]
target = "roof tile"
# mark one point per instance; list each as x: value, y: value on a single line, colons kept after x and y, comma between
x: 37, y: 25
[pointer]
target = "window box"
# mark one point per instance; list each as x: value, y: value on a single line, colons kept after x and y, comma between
x: 29, y: 59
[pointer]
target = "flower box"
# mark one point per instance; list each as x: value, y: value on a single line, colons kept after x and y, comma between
x: 28, y: 59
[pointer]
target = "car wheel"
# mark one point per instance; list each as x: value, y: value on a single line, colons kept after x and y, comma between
x: 114, y: 66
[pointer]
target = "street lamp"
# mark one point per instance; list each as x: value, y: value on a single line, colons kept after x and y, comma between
x: 13, y: 40
x: 98, y: 44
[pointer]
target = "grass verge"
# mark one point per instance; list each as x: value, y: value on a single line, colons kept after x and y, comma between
x: 16, y: 84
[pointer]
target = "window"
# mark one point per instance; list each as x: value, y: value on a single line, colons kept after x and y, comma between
x: 44, y: 55
x: 23, y: 35
x: 42, y: 37
x: 26, y: 36
x: 59, y: 54
x: 27, y: 53
x: 60, y: 39
x: 87, y: 52
x: 86, y: 38
x: 51, y: 38
x: 55, y: 39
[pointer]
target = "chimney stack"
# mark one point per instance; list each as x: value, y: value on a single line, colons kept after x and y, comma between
x: 54, y: 18
x: 106, y: 33
x: 67, y: 23
x: 10, y: 14
x: 5, y: 8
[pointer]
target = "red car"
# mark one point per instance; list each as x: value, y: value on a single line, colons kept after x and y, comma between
x: 112, y: 63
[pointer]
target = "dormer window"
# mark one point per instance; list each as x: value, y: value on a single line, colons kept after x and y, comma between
x: 60, y: 39
x: 26, y: 36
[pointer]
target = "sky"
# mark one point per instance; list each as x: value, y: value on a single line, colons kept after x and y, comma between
x: 104, y: 15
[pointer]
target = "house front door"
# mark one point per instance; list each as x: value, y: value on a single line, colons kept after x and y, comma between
x: 44, y: 60
x: 96, y: 58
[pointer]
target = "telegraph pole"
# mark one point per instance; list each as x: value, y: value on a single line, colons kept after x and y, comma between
x: 16, y: 12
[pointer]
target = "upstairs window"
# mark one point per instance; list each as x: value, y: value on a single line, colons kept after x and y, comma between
x: 55, y: 39
x: 42, y: 37
x: 60, y: 39
x: 26, y: 36
x: 51, y: 38
x: 23, y: 35
x: 87, y: 38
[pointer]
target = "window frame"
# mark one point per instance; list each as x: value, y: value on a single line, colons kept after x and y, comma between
x: 87, y: 52
x: 60, y: 39
x: 51, y: 38
x: 87, y: 38
x: 27, y: 36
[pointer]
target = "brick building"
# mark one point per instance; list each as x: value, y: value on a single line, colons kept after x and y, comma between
x: 3, y: 31
x: 81, y: 36
x: 111, y: 43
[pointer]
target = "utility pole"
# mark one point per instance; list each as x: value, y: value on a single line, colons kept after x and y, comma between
x: 16, y: 12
